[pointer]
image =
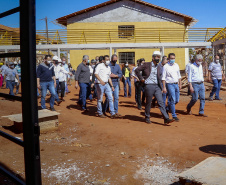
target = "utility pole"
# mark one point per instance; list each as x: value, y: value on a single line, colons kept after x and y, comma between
x: 47, y: 34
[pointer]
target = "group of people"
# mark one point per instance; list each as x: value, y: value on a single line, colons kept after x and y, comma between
x: 158, y: 79
x: 52, y: 75
x: 10, y: 75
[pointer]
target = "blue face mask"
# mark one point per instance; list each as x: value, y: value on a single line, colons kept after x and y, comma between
x: 172, y: 61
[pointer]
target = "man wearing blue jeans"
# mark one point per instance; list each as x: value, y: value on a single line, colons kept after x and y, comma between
x: 82, y: 79
x: 9, y: 76
x: 115, y: 75
x: 171, y: 80
x: 104, y: 85
x: 196, y: 83
x: 216, y: 73
x: 46, y: 80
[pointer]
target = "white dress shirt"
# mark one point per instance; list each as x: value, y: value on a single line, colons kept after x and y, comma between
x: 91, y: 72
x: 195, y: 73
x: 104, y: 72
x: 60, y: 73
x: 171, y: 73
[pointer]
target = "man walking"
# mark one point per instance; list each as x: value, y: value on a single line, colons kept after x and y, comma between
x: 82, y: 78
x: 115, y: 75
x: 10, y: 74
x: 152, y: 86
x: 171, y: 80
x: 216, y: 73
x: 104, y: 85
x: 197, y: 88
x: 46, y: 80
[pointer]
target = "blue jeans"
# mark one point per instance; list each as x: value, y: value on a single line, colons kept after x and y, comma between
x: 199, y: 92
x: 56, y: 89
x: 10, y: 85
x: 164, y: 96
x: 90, y: 95
x: 84, y: 94
x: 115, y: 94
x: 101, y: 89
x: 127, y: 81
x: 173, y: 97
x: 216, y: 88
x: 51, y: 88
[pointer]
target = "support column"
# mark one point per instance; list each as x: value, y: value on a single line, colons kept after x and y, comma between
x: 58, y: 52
x: 213, y: 53
x: 115, y: 51
x: 162, y: 50
x: 110, y: 52
x: 68, y: 57
x: 6, y: 51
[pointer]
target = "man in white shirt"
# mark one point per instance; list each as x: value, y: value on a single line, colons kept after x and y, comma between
x: 197, y: 88
x: 104, y: 85
x: 159, y: 73
x: 216, y: 73
x: 186, y: 73
x: 171, y: 80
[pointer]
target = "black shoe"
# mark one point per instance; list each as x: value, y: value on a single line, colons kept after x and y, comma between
x: 168, y: 121
x: 176, y: 119
x: 147, y: 120
x: 218, y: 99
x: 52, y: 109
x: 59, y: 102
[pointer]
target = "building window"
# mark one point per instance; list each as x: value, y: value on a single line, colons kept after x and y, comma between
x: 126, y: 31
x: 127, y: 57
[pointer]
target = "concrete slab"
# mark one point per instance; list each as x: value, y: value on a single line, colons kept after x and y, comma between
x: 48, y: 120
x: 211, y: 171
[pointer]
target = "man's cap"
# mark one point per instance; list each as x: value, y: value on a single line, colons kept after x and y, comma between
x: 55, y: 57
x: 1, y: 64
x: 15, y: 63
x: 59, y: 60
x: 11, y: 63
x: 93, y: 61
x: 157, y: 53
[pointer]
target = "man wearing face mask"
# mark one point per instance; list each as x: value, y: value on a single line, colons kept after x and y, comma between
x: 216, y: 73
x: 65, y: 66
x: 82, y: 79
x: 10, y: 75
x: 171, y: 80
x: 152, y: 86
x: 196, y: 83
x: 115, y: 75
x: 104, y: 85
x: 46, y: 80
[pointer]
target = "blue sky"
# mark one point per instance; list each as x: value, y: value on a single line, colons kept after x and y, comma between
x: 209, y: 13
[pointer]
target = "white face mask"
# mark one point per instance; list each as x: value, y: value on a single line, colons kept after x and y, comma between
x: 199, y: 63
x: 127, y: 64
x: 49, y: 61
x: 217, y: 61
x: 63, y: 62
x: 107, y: 62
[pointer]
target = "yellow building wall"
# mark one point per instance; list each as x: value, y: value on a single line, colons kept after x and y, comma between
x: 80, y: 33
x: 76, y: 55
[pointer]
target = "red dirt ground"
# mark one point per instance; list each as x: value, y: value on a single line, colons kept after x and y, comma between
x: 106, y: 151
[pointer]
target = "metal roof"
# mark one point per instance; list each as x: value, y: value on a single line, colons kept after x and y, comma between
x: 63, y: 20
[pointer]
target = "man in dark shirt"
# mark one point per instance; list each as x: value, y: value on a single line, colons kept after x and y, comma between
x: 82, y: 79
x: 116, y: 74
x: 46, y: 80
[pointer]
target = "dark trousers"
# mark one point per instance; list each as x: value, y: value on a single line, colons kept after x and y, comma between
x: 138, y: 89
x: 62, y: 88
x: 150, y: 91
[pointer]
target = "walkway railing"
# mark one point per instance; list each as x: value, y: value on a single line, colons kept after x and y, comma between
x: 137, y: 35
